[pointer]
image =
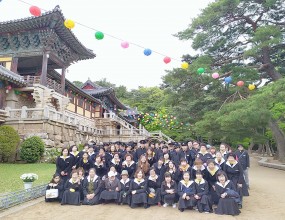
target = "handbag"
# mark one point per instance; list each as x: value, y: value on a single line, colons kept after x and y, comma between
x: 51, y: 193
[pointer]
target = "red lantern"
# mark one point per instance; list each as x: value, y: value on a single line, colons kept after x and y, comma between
x: 167, y: 60
x: 36, y: 11
x: 240, y: 83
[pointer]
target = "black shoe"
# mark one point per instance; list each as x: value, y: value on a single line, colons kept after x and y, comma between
x: 240, y: 206
x: 181, y: 210
x: 146, y: 206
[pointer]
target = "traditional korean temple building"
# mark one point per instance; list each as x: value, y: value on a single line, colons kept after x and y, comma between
x: 37, y: 99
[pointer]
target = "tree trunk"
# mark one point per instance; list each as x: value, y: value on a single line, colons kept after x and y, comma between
x: 250, y: 147
x: 270, y: 69
x: 279, y: 138
x: 260, y: 148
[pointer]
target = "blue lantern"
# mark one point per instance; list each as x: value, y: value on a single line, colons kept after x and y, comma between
x: 147, y: 52
x: 228, y: 80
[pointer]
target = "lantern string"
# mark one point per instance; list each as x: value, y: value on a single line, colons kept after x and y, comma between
x: 109, y: 35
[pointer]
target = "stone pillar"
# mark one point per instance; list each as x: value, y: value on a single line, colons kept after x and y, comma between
x: 44, y: 69
x: 11, y: 99
x: 62, y: 80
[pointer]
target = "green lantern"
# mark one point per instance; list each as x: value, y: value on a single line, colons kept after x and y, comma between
x: 99, y: 35
x: 200, y: 71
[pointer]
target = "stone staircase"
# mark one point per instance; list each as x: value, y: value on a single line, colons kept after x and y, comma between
x: 160, y: 136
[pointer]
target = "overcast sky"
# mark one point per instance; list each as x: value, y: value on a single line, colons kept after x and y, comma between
x: 149, y: 23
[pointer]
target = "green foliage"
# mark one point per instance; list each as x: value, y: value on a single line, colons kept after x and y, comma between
x: 32, y: 149
x: 51, y: 155
x: 78, y: 83
x: 9, y: 140
x: 80, y: 147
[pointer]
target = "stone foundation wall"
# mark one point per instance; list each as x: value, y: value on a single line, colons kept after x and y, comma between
x: 54, y: 134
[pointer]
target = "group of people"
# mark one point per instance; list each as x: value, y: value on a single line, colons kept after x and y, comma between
x: 187, y: 175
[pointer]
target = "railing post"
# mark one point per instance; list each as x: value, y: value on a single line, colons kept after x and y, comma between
x: 24, y: 113
x: 46, y: 112
x: 7, y: 109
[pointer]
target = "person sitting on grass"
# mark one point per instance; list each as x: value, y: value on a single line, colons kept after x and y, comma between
x: 91, y: 188
x: 72, y: 188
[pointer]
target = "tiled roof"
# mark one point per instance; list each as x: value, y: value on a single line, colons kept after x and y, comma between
x: 10, y: 76
x: 52, y: 19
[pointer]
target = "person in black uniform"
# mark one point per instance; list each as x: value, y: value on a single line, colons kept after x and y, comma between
x: 219, y: 160
x: 193, y: 153
x: 198, y: 165
x: 116, y: 162
x: 71, y: 195
x: 243, y: 159
x: 129, y: 165
x: 125, y: 194
x: 91, y: 154
x: 171, y: 168
x: 159, y: 167
x: 203, y: 154
x: 202, y: 191
x: 85, y: 149
x: 174, y: 154
x: 229, y: 198
x: 92, y: 187
x: 140, y: 151
x: 234, y: 172
x: 183, y: 167
x: 185, y: 153
x: 64, y: 165
x: 169, y: 191
x: 186, y: 191
x: 85, y: 163
x: 138, y: 190
x: 55, y: 183
x: 100, y: 167
x: 151, y: 158
x: 112, y: 188
x: 153, y: 188
x: 75, y: 154
x: 211, y: 177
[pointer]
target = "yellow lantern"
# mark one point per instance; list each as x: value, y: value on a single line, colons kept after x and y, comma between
x: 184, y: 65
x: 251, y: 87
x: 69, y: 23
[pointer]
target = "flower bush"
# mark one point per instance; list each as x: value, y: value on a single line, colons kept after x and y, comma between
x: 29, y: 177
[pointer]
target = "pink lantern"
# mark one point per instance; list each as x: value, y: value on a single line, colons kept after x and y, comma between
x: 125, y: 44
x: 36, y: 11
x: 9, y: 87
x: 240, y: 83
x: 167, y: 60
x: 215, y: 75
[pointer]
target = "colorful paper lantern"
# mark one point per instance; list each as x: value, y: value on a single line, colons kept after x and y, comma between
x: 200, y: 71
x: 9, y: 87
x: 184, y: 65
x: 125, y: 44
x: 69, y: 23
x: 228, y: 79
x: 36, y: 11
x: 99, y: 35
x: 240, y: 83
x: 251, y: 86
x: 167, y: 60
x: 147, y: 52
x: 215, y: 75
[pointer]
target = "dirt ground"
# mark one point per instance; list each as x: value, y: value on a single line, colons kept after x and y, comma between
x: 266, y: 201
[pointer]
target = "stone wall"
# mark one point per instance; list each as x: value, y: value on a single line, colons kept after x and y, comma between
x: 54, y: 134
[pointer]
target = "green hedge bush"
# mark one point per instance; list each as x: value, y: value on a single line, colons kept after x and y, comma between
x: 9, y: 140
x: 32, y: 149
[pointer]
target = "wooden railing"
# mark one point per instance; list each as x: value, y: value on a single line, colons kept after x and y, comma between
x: 52, y: 84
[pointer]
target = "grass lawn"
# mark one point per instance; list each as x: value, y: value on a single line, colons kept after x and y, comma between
x: 10, y: 175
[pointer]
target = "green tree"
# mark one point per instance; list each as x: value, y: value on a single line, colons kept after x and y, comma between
x: 9, y: 140
x: 78, y: 83
x: 32, y: 149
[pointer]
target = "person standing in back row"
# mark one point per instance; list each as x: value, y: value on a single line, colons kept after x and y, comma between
x: 243, y: 158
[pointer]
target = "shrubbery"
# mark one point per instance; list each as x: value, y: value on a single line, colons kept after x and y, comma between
x: 32, y: 149
x: 9, y: 140
x: 51, y: 155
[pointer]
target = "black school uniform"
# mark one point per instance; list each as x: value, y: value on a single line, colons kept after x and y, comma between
x: 194, y: 170
x: 167, y: 197
x: 160, y: 171
x: 131, y: 168
x: 182, y: 170
x: 60, y: 188
x: 221, y: 163
x: 75, y: 159
x: 90, y: 187
x: 243, y: 158
x: 211, y: 178
x: 227, y: 205
x: 125, y: 194
x: 202, y: 190
x: 69, y: 197
x: 185, y: 155
x: 101, y: 169
x: 193, y: 155
x: 235, y: 174
x: 158, y: 153
x: 92, y: 157
x: 174, y: 175
x: 86, y: 165
x: 190, y: 191
x: 153, y: 185
x: 174, y: 156
x: 204, y: 157
x: 151, y: 160
x: 138, y: 153
x: 141, y: 192
x: 118, y: 166
x: 65, y: 165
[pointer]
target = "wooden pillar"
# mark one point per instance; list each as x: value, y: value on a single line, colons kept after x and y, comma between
x: 62, y: 80
x: 44, y: 69
x: 14, y: 65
